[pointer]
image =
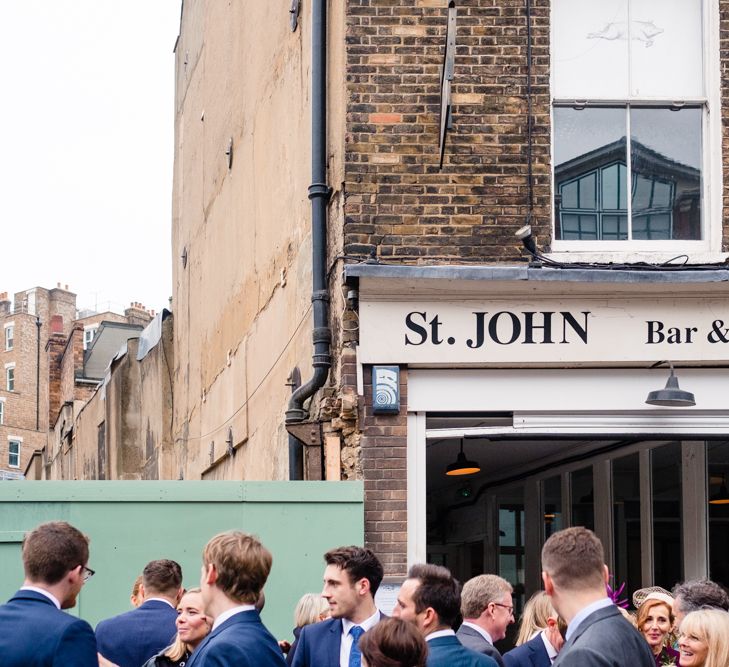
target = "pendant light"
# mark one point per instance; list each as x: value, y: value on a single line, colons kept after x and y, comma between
x: 721, y: 497
x: 462, y: 466
x: 671, y: 395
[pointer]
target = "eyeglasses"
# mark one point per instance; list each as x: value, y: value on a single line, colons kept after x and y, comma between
x: 510, y: 608
x: 87, y: 573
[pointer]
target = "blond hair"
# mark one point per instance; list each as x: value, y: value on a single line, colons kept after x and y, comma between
x: 480, y: 591
x: 710, y: 626
x: 534, y: 617
x: 309, y: 609
x: 179, y: 648
x: 242, y: 564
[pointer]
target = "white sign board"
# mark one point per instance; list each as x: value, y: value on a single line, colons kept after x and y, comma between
x: 581, y: 330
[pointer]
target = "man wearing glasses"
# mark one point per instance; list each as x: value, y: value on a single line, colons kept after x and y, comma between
x: 35, y: 630
x: 487, y: 610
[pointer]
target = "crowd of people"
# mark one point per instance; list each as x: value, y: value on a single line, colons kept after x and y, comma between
x: 435, y: 622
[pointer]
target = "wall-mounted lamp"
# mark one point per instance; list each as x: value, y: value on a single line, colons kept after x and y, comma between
x: 721, y: 497
x: 462, y: 466
x: 671, y: 395
x: 524, y: 234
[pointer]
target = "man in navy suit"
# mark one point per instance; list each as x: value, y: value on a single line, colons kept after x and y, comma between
x: 34, y: 629
x: 131, y: 638
x: 540, y: 651
x: 575, y: 577
x: 431, y: 599
x: 235, y: 569
x: 351, y: 579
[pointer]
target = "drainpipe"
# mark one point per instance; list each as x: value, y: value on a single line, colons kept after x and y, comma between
x: 37, y: 372
x: 319, y: 193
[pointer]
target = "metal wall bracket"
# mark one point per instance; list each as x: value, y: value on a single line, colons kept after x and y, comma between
x: 307, y: 432
x: 447, y: 73
x: 294, y: 14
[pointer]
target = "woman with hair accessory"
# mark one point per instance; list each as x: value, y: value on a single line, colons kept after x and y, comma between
x: 393, y: 643
x: 704, y: 640
x: 192, y: 627
x: 655, y: 620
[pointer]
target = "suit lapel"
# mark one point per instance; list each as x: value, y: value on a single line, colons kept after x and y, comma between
x: 335, y: 642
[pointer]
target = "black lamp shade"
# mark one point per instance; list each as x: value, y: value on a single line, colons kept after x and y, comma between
x: 462, y: 466
x: 671, y: 396
x: 721, y: 497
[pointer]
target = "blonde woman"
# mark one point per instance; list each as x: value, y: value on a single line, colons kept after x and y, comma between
x: 192, y: 627
x: 311, y: 608
x: 534, y: 618
x: 704, y: 639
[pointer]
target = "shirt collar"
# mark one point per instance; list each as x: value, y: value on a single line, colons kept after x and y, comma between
x: 551, y: 651
x: 159, y: 600
x: 230, y: 613
x: 367, y: 624
x: 439, y: 633
x: 43, y: 592
x: 584, y: 613
x: 480, y: 631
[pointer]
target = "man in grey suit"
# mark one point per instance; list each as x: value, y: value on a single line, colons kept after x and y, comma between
x: 575, y: 577
x: 487, y: 610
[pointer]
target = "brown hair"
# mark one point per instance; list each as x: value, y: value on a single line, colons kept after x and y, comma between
x: 52, y: 550
x: 645, y: 608
x: 162, y: 576
x: 574, y: 559
x: 358, y: 563
x: 242, y: 563
x: 394, y: 643
x: 438, y: 590
x: 478, y: 592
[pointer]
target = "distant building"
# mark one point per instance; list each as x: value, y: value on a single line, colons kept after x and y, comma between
x: 44, y: 351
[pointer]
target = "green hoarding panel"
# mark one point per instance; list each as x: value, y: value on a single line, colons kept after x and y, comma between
x: 131, y: 523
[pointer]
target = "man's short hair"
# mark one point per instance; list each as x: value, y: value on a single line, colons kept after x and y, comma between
x: 162, y: 576
x: 242, y: 563
x: 358, y: 563
x: 480, y: 591
x: 437, y: 589
x: 701, y: 594
x: 574, y: 559
x: 52, y: 550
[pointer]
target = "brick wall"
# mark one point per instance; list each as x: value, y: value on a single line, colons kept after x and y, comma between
x: 398, y: 203
x: 384, y: 464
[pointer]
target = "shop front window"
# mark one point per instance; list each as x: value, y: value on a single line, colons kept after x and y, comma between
x: 667, y: 533
x: 718, y: 469
x: 552, y: 493
x: 626, y: 521
x: 583, y: 498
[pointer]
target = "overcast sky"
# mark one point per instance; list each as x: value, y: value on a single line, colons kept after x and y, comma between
x: 86, y: 148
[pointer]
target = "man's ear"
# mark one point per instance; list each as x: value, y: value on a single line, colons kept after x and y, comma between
x: 548, y: 584
x: 141, y: 593
x: 363, y: 586
x: 211, y: 575
x: 605, y: 574
x: 179, y: 595
x: 430, y: 618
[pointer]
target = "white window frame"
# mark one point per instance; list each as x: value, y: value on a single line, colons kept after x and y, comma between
x: 14, y: 439
x: 706, y: 250
x: 2, y: 411
x: 10, y: 376
x: 92, y: 328
x: 9, y: 328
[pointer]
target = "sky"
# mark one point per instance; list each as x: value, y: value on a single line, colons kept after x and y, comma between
x: 86, y: 148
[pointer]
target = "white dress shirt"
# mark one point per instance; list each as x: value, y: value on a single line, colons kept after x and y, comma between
x: 480, y: 631
x: 42, y: 591
x: 345, y: 646
x: 231, y: 612
x: 584, y: 613
x: 440, y: 633
x: 551, y: 651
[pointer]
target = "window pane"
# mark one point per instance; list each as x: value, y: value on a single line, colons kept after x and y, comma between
x: 718, y: 460
x: 590, y: 49
x: 666, y: 49
x: 665, y: 155
x: 552, y: 491
x: 583, y: 498
x: 613, y: 187
x: 667, y: 545
x: 579, y: 227
x: 626, y: 521
x: 614, y: 227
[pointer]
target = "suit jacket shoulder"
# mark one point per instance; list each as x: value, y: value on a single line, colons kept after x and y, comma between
x: 318, y: 644
x: 605, y: 639
x: 475, y: 641
x: 449, y: 652
x: 35, y: 632
x: 530, y: 654
x: 243, y: 641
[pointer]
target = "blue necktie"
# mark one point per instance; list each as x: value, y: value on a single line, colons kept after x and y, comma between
x: 355, y: 656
